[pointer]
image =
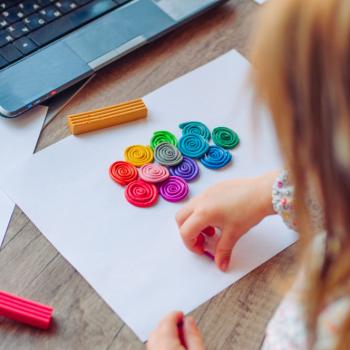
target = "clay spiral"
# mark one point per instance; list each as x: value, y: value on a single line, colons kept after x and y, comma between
x: 216, y: 158
x: 196, y: 128
x: 141, y: 194
x: 167, y: 154
x: 193, y: 146
x: 187, y: 169
x: 162, y: 136
x: 154, y: 173
x: 174, y: 189
x: 138, y: 155
x: 225, y: 137
x: 123, y: 172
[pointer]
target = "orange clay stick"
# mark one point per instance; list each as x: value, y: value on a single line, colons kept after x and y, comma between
x: 105, y: 117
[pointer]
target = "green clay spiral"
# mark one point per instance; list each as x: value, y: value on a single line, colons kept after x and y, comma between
x: 225, y: 137
x: 162, y: 136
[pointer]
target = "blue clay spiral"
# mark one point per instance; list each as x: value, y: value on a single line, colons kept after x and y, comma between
x: 216, y: 158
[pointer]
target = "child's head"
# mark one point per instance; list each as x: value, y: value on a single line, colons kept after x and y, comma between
x: 301, y: 56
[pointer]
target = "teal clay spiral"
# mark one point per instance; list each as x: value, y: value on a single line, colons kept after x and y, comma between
x: 196, y: 128
x: 193, y: 145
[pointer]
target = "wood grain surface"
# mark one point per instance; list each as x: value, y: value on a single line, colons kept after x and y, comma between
x: 30, y: 266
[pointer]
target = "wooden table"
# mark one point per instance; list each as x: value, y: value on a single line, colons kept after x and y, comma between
x: 30, y: 266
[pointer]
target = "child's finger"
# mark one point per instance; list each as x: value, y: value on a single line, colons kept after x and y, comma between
x: 224, y: 248
x: 169, y: 324
x: 191, y: 229
x: 166, y: 333
x: 192, y: 335
x: 183, y: 214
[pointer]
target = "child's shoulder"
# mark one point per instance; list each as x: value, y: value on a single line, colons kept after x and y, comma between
x: 287, y: 328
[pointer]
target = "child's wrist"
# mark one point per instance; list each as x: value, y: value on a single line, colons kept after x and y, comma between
x: 265, y: 183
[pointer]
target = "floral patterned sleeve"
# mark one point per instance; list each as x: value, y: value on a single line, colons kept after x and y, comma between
x: 282, y: 199
x: 287, y: 329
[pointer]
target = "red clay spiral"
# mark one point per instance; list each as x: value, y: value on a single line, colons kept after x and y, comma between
x: 123, y: 172
x: 141, y: 194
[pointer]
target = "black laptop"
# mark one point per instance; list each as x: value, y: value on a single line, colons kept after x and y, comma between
x: 47, y: 46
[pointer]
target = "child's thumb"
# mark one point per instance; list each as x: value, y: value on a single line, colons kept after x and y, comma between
x: 192, y: 335
x: 224, y: 249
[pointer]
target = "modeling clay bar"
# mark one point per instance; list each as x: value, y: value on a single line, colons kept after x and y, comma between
x: 25, y: 311
x: 105, y: 117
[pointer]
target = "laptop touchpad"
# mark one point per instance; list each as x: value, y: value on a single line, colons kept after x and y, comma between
x: 119, y: 31
x: 29, y: 81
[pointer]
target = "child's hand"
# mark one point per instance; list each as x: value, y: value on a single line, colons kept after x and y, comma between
x: 233, y: 206
x: 168, y: 336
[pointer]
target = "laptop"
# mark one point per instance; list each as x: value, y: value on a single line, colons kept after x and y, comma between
x: 46, y: 46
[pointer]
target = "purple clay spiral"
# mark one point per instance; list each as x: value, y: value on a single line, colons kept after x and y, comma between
x: 187, y: 169
x: 174, y: 189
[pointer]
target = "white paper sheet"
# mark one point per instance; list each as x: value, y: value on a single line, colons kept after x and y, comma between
x: 134, y: 257
x: 6, y: 209
x: 18, y: 138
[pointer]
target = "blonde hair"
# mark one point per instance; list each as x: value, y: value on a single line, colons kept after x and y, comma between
x: 301, y: 60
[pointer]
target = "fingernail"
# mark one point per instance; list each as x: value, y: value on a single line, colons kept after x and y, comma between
x: 224, y: 264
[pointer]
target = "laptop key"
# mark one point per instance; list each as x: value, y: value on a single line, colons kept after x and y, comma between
x: 71, y: 21
x: 28, y: 7
x: 17, y: 30
x: 66, y: 6
x: 10, y: 53
x: 50, y: 13
x: 10, y: 15
x: 34, y: 21
x: 3, y: 62
x: 25, y: 45
x: 5, y: 4
x: 3, y: 22
x: 5, y: 38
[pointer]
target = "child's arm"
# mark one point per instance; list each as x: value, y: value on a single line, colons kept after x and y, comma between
x: 234, y: 206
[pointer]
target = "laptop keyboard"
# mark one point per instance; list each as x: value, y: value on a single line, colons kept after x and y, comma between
x: 26, y: 26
